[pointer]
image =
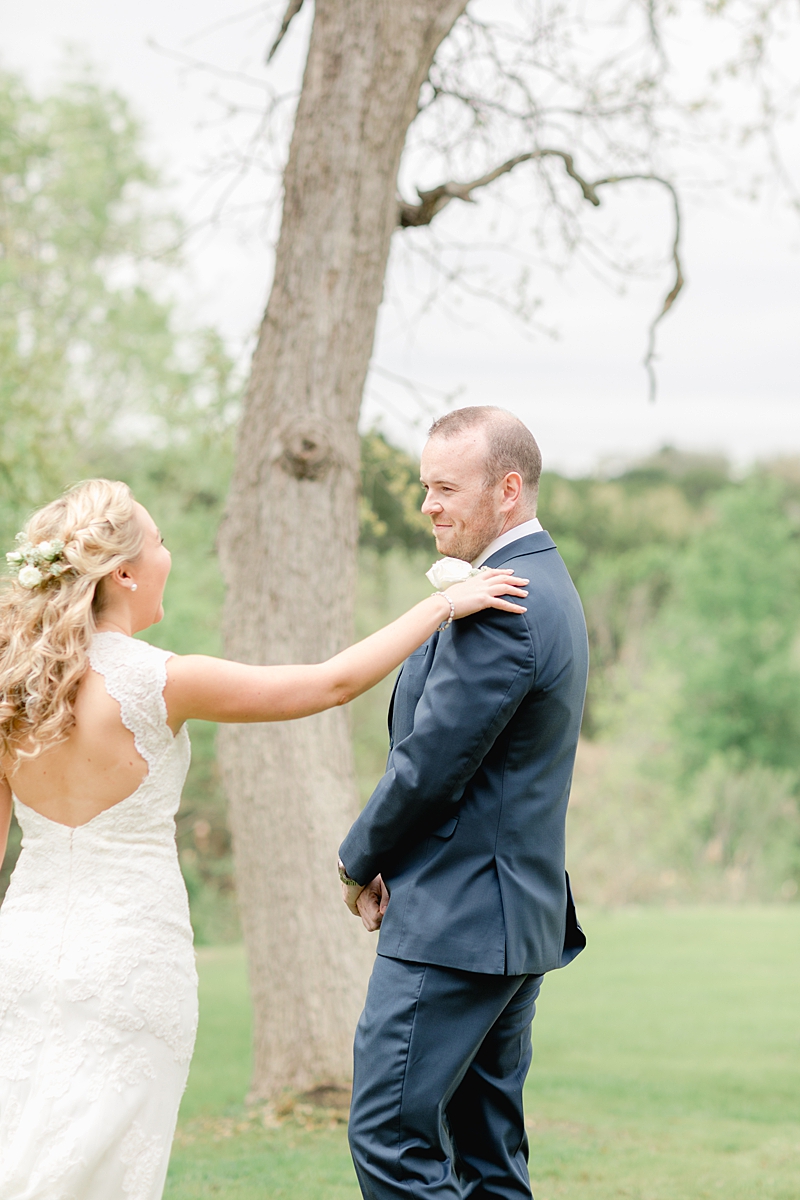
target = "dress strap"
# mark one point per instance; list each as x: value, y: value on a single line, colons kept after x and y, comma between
x: 135, y: 674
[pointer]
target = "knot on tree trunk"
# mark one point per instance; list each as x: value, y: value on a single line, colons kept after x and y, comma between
x: 306, y: 449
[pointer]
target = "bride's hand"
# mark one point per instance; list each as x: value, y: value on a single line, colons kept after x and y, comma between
x: 487, y: 590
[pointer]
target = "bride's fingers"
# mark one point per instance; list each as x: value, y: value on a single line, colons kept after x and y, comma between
x: 507, y: 605
x: 496, y: 581
x: 496, y: 586
x: 508, y: 591
x: 508, y: 587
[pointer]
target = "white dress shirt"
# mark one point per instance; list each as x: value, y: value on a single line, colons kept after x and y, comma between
x: 505, y: 539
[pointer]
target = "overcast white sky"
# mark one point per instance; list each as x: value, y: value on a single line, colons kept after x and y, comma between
x: 729, y: 367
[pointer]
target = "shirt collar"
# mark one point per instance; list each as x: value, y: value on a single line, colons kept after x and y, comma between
x: 505, y: 539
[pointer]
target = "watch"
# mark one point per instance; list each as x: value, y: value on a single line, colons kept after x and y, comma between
x: 345, y: 878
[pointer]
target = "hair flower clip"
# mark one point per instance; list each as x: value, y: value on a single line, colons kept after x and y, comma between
x: 34, y: 564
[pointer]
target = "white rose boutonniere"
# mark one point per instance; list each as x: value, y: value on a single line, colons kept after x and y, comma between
x: 449, y: 570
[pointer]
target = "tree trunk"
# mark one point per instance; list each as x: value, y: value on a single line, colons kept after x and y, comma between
x: 288, y: 544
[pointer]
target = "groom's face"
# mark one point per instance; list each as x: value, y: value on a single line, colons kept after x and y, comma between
x: 465, y: 511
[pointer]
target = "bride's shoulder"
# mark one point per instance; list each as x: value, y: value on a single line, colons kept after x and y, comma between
x: 135, y: 675
x: 109, y: 649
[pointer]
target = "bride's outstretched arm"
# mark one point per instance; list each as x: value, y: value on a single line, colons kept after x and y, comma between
x: 214, y: 689
x: 5, y: 815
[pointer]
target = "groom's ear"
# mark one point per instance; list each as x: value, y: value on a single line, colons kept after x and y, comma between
x: 511, y: 493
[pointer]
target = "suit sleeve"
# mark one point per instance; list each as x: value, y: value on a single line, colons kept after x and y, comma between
x: 483, y: 668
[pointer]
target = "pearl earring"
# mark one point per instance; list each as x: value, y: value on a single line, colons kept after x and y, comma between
x: 133, y: 587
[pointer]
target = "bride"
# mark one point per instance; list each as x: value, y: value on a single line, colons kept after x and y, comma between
x: 98, y: 990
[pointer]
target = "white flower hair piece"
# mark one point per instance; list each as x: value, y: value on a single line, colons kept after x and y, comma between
x: 451, y: 570
x: 34, y: 564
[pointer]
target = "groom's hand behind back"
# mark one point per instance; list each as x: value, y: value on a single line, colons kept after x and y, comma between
x: 371, y: 903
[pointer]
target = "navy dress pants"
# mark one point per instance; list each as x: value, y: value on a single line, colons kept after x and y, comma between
x: 440, y: 1061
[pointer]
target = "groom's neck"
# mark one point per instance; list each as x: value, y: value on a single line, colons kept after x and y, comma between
x: 513, y: 519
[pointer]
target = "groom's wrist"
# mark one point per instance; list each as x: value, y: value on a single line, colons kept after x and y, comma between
x: 346, y: 879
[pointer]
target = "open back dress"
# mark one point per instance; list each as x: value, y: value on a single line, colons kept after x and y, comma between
x: 98, y: 988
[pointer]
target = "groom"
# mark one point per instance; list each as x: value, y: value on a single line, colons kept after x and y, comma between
x: 464, y: 835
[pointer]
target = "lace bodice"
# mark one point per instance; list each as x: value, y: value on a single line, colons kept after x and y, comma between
x: 135, y: 675
x: 97, y: 976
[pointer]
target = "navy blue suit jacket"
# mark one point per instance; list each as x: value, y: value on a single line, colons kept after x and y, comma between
x: 467, y: 824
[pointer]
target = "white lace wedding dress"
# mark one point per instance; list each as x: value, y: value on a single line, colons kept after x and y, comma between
x: 98, y: 989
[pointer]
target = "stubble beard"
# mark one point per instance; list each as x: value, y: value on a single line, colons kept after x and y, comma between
x: 482, y: 528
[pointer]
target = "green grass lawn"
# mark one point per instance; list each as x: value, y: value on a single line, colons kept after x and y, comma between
x: 666, y: 1067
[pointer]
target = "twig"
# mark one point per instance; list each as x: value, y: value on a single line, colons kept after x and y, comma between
x: 679, y: 281
x: 291, y: 12
x: 211, y: 68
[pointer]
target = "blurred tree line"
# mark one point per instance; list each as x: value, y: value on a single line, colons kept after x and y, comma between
x: 688, y: 779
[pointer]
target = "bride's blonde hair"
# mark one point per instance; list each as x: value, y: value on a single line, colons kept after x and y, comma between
x: 45, y: 631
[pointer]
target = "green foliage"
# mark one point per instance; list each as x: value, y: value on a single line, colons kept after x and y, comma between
x: 735, y: 623
x: 665, y: 1065
x: 81, y: 337
x: 391, y: 496
x: 618, y: 537
x: 696, y: 476
x: 690, y: 585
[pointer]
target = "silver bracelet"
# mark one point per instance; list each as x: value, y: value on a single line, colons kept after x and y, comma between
x: 449, y: 620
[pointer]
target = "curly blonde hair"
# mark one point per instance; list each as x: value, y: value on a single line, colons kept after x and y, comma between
x: 46, y: 631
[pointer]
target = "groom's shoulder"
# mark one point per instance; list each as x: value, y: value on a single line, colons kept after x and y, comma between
x: 537, y: 558
x: 537, y: 550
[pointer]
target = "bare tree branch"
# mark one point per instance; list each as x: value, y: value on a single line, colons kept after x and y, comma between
x: 654, y: 29
x: 210, y: 68
x: 679, y: 280
x: 433, y: 201
x: 291, y: 12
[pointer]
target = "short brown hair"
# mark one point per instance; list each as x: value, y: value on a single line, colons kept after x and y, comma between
x: 510, y: 445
